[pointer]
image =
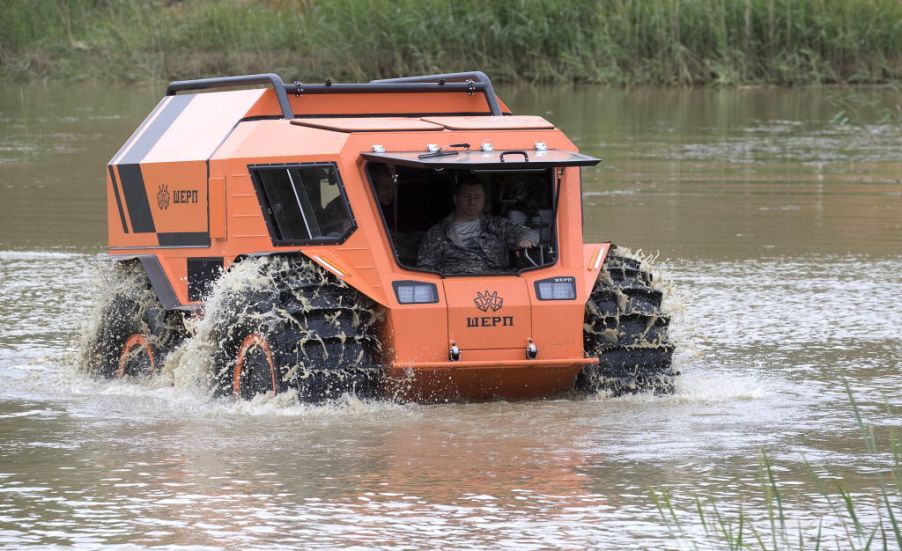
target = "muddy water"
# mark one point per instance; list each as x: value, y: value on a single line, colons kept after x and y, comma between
x: 779, y: 231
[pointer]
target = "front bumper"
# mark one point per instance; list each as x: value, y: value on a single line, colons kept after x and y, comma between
x: 482, y: 380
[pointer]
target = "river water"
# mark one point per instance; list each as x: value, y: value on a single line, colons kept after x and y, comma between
x: 776, y: 215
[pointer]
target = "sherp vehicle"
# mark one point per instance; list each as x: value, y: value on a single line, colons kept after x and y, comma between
x: 320, y: 195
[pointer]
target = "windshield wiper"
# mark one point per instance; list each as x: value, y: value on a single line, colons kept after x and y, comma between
x: 438, y: 153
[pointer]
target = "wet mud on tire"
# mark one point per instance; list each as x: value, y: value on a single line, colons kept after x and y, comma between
x: 134, y: 333
x: 627, y: 330
x: 300, y: 328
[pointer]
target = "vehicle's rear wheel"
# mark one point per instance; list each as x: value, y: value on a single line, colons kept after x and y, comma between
x: 137, y: 358
x: 134, y: 332
x: 626, y: 328
x: 292, y: 326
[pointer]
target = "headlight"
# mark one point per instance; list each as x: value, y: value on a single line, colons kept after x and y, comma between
x: 556, y: 288
x: 415, y: 292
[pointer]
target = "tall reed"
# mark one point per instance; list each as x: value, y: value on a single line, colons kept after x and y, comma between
x: 773, y: 531
x: 603, y: 41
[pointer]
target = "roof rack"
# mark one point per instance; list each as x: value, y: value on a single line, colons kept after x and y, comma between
x: 480, y: 81
x: 470, y: 82
x: 226, y: 82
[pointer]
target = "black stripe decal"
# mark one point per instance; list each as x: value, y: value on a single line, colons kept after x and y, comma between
x: 184, y: 239
x: 118, y: 199
x: 160, y: 282
x: 156, y: 129
x: 136, y: 198
x: 131, y: 138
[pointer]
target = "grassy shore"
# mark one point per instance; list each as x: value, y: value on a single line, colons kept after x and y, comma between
x: 620, y: 42
x: 857, y: 521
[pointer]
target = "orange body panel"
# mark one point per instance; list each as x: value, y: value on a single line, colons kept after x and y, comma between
x: 218, y: 209
x: 189, y: 194
x: 482, y: 381
x: 178, y: 196
x: 516, y: 122
x: 486, y: 314
x: 369, y: 124
x: 376, y: 104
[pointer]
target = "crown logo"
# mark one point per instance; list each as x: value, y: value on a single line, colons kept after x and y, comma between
x: 488, y: 301
x: 163, y: 197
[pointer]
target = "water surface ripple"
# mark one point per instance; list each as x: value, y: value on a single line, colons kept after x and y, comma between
x: 778, y: 233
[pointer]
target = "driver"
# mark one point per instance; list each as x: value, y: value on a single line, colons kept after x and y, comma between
x: 470, y: 242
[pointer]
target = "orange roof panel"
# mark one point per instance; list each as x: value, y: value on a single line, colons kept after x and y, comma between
x: 514, y: 122
x: 369, y: 124
x: 199, y: 127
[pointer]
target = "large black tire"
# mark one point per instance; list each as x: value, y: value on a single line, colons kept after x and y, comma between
x: 134, y: 333
x: 627, y: 330
x: 294, y: 327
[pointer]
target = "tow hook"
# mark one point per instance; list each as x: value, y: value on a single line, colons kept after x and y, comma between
x: 531, y: 350
x: 454, y: 352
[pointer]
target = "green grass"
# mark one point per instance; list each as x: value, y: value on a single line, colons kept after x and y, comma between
x: 621, y: 42
x: 743, y: 530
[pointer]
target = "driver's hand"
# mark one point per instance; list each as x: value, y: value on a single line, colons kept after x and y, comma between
x: 525, y: 244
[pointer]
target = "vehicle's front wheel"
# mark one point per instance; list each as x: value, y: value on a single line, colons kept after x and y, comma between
x: 254, y: 371
x: 288, y: 325
x: 626, y: 328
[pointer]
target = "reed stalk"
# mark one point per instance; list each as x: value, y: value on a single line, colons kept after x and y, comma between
x: 883, y: 531
x: 619, y: 42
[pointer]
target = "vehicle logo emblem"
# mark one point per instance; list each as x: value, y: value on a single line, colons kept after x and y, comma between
x: 488, y: 301
x: 163, y: 197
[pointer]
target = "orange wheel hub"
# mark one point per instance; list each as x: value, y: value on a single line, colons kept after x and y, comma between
x: 134, y: 342
x: 249, y: 342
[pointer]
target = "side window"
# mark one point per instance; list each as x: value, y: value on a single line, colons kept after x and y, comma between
x: 303, y: 203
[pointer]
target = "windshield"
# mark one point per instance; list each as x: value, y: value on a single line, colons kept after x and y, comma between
x: 467, y: 222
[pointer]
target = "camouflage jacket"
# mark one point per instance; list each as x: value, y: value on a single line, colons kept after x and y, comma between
x: 443, y: 251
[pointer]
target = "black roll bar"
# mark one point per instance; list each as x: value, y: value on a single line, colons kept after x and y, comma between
x: 482, y: 81
x: 472, y: 82
x: 225, y: 82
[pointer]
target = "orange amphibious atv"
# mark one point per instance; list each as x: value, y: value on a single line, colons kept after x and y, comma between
x: 291, y: 221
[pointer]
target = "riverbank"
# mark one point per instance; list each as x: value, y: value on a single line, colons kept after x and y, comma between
x: 629, y: 42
